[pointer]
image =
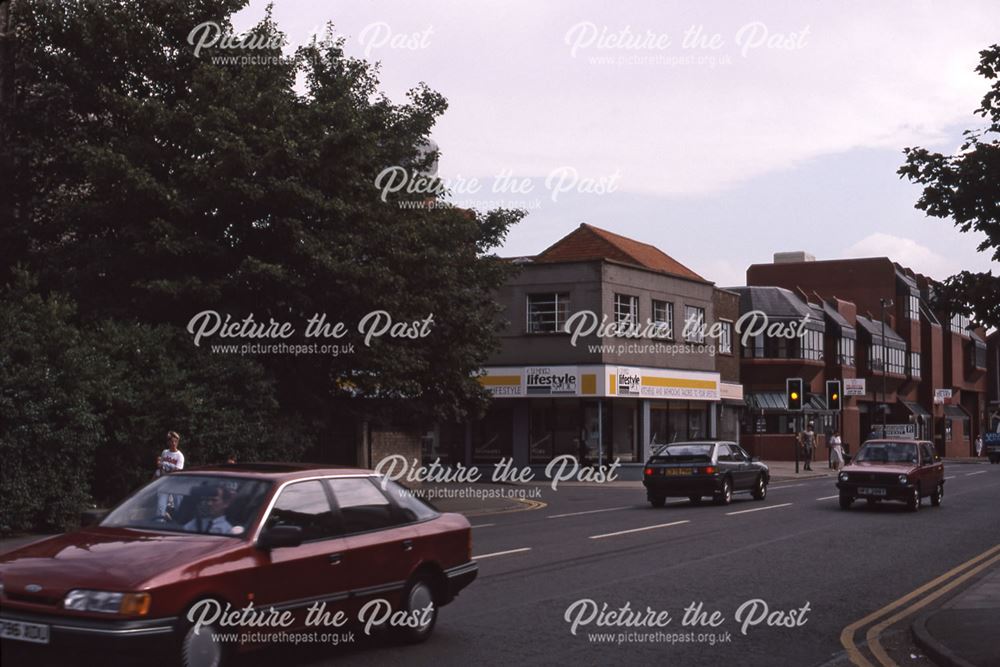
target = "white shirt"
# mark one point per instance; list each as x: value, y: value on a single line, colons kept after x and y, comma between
x: 219, y: 525
x: 171, y: 461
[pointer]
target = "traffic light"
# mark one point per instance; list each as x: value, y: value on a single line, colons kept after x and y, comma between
x: 793, y: 394
x: 833, y: 394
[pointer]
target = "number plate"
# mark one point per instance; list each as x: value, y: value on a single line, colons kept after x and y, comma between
x: 24, y: 632
x: 871, y: 491
x: 678, y: 471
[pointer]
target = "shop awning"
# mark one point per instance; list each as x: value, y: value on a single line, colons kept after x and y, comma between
x: 955, y: 412
x: 916, y: 408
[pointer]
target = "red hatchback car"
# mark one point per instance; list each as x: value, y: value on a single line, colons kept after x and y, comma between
x: 904, y: 470
x: 263, y: 536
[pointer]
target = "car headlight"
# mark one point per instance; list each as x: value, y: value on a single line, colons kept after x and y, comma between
x: 843, y: 477
x: 903, y: 479
x: 107, y: 602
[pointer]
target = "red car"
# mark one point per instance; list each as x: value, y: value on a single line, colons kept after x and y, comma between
x: 285, y: 536
x: 905, y: 470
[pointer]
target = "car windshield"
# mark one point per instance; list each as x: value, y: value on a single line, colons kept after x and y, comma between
x: 888, y: 452
x: 183, y: 503
x: 684, y: 453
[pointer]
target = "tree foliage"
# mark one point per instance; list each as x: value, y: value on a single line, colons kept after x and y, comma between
x: 966, y: 188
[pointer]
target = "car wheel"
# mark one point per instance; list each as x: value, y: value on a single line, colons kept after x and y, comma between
x: 204, y: 648
x: 845, y: 501
x: 938, y: 495
x: 914, y: 502
x: 725, y: 495
x: 760, y: 488
x: 695, y: 500
x: 416, y: 596
x: 658, y: 501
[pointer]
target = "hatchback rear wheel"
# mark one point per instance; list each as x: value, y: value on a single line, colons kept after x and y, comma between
x: 725, y: 494
x: 419, y: 593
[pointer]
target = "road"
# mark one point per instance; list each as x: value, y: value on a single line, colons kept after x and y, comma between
x: 606, y: 544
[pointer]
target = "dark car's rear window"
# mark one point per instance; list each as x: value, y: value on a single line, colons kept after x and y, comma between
x: 683, y: 454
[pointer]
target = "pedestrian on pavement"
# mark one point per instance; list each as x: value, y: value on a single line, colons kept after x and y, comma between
x: 169, y: 460
x: 808, y: 440
x: 829, y: 449
x: 979, y: 446
x: 836, y: 451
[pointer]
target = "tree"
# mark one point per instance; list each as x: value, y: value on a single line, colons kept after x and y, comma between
x: 150, y: 182
x: 966, y: 188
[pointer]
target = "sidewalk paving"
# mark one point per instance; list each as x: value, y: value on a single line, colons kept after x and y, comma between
x: 963, y: 631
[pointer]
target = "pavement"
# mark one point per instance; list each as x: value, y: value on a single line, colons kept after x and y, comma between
x: 963, y: 631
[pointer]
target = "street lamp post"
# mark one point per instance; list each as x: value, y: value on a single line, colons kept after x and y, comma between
x: 885, y: 362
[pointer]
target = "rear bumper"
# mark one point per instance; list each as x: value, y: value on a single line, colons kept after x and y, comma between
x: 459, y: 577
x: 663, y: 486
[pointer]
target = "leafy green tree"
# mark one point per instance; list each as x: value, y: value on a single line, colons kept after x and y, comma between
x: 966, y: 188
x: 150, y: 182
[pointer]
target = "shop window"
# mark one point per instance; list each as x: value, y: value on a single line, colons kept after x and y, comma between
x: 493, y: 435
x: 547, y: 312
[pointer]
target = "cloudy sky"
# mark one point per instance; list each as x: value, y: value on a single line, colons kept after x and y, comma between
x: 721, y: 133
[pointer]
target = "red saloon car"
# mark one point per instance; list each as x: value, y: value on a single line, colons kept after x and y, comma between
x: 260, y: 536
x: 904, y: 470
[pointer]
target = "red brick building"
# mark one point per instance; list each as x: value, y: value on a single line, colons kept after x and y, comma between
x: 872, y: 322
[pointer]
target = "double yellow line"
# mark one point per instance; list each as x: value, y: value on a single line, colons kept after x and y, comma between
x: 984, y: 560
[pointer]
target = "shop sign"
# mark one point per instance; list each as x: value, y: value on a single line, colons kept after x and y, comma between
x: 629, y: 381
x: 941, y: 395
x: 854, y: 387
x: 550, y: 381
x: 901, y: 431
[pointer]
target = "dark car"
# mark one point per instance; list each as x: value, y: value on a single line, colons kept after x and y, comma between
x: 903, y: 470
x: 703, y: 468
x: 274, y: 535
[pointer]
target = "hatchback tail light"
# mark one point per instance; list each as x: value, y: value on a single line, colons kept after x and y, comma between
x: 709, y: 470
x: 650, y: 471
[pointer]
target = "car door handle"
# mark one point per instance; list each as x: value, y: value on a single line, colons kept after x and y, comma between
x: 333, y: 559
x: 407, y: 545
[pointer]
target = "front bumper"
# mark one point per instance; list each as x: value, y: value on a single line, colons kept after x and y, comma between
x: 69, y: 634
x: 876, y: 491
x: 662, y: 486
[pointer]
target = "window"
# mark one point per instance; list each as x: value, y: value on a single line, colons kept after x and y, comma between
x: 928, y: 453
x: 726, y: 337
x: 663, y: 318
x: 723, y: 453
x: 547, y: 312
x: 960, y: 324
x: 413, y: 508
x: 362, y: 505
x: 812, y: 345
x: 304, y: 504
x: 626, y: 309
x: 913, y: 307
x: 694, y: 324
x: 896, y: 362
x: 915, y: 364
x: 977, y: 354
x: 845, y: 351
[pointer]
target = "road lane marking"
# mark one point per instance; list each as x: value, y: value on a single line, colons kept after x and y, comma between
x: 639, y: 530
x: 501, y: 553
x: 952, y: 477
x: 823, y: 498
x: 847, y: 634
x: 608, y: 509
x: 981, y: 472
x: 482, y: 525
x: 758, y: 509
x: 873, y: 633
x: 790, y: 486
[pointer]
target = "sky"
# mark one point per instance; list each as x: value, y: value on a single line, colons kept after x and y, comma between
x: 719, y: 132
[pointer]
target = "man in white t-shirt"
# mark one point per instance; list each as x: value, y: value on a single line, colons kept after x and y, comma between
x: 170, y: 460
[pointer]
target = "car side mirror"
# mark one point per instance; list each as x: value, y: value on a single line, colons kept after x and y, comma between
x: 280, y: 536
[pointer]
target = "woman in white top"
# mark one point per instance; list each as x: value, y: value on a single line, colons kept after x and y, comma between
x: 837, y: 448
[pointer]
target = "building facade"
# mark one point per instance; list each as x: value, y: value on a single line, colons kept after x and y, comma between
x: 905, y: 370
